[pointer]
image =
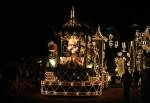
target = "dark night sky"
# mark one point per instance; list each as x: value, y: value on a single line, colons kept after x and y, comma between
x: 25, y: 25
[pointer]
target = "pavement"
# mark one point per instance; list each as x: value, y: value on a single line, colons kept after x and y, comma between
x: 109, y: 95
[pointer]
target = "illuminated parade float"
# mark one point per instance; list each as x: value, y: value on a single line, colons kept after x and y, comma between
x: 82, y: 62
x: 142, y: 42
x: 75, y: 65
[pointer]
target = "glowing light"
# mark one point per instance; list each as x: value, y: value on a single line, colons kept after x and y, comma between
x: 49, y: 83
x: 55, y: 93
x: 123, y: 45
x: 52, y: 62
x: 72, y: 83
x: 111, y: 36
x: 72, y: 40
x: 128, y: 54
x: 128, y: 63
x: 60, y: 83
x: 65, y: 93
x: 87, y: 93
x: 120, y: 54
x: 77, y: 93
x: 124, y: 58
x: 110, y: 43
x: 109, y: 78
x: 131, y: 43
x: 89, y: 65
x: 116, y: 44
x: 42, y: 82
x: 39, y: 61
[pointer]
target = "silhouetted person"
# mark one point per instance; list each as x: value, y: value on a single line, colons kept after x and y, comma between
x: 136, y: 77
x: 145, y: 84
x: 126, y: 80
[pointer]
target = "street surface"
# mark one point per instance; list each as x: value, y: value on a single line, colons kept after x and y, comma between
x: 110, y: 95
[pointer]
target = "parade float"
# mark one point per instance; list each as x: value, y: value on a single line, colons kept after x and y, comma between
x: 75, y: 65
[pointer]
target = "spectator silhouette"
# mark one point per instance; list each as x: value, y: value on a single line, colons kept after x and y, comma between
x: 126, y: 80
x: 145, y: 84
x: 136, y: 77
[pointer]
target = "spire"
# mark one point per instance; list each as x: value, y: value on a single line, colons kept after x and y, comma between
x: 72, y: 21
x: 100, y: 34
x: 99, y: 31
x: 73, y: 16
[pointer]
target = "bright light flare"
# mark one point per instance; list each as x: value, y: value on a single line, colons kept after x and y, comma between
x: 52, y: 62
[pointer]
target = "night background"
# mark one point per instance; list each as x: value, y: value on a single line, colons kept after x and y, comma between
x: 26, y: 26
